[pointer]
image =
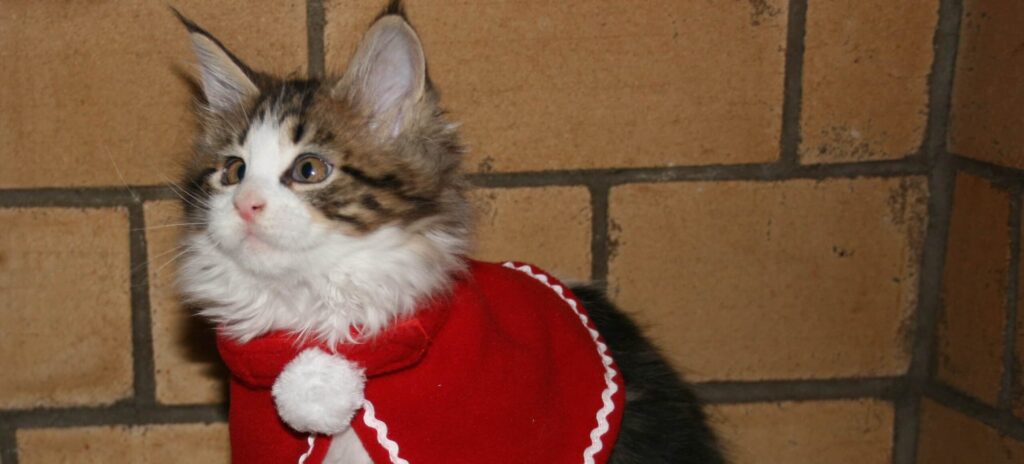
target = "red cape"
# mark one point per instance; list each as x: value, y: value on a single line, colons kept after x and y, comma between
x: 505, y: 369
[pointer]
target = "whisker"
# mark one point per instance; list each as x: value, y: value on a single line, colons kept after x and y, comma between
x: 185, y: 195
x: 177, y: 187
x: 180, y: 224
x: 169, y: 261
x: 151, y: 258
x: 186, y: 200
x: 120, y: 175
x: 194, y: 197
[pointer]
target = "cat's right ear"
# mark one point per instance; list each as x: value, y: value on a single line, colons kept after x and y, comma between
x: 226, y: 81
x: 387, y: 76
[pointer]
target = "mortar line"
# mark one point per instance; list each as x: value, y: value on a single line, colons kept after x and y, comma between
x: 923, y: 360
x: 599, y: 252
x: 124, y: 413
x: 906, y: 426
x: 1009, y: 381
x: 940, y: 80
x: 144, y: 382
x: 8, y: 444
x: 792, y: 95
x: 941, y: 184
x: 751, y: 172
x: 99, y: 197
x: 731, y: 392
x: 990, y: 171
x: 735, y: 392
x: 315, y: 25
x: 1004, y: 422
x: 82, y: 197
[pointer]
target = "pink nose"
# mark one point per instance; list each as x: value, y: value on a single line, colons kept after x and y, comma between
x: 248, y: 206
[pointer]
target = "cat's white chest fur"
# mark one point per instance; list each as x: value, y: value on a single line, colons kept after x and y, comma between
x: 324, y: 209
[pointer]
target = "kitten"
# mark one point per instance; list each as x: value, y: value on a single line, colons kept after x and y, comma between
x: 333, y: 208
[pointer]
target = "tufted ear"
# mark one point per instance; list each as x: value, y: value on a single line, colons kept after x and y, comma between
x: 226, y: 81
x: 387, y: 75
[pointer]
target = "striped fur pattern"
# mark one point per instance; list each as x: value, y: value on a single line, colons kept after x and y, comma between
x: 384, y: 227
x: 342, y: 257
x: 407, y: 180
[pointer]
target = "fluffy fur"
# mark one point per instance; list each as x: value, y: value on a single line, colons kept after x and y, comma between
x: 343, y: 257
x: 663, y: 422
x: 386, y: 228
x: 319, y: 392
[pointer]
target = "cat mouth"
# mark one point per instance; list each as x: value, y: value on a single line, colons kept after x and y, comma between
x: 253, y: 240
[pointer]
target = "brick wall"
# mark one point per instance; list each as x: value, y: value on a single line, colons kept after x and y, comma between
x: 815, y: 207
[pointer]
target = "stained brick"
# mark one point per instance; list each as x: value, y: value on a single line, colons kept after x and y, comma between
x: 974, y: 289
x: 542, y: 85
x: 988, y: 98
x: 549, y: 227
x: 866, y: 69
x: 158, y: 444
x: 948, y: 437
x: 65, y: 311
x: 97, y: 93
x: 188, y: 369
x: 760, y: 280
x: 822, y: 432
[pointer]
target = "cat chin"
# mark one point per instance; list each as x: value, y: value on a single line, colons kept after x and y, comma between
x: 347, y: 282
x: 265, y: 259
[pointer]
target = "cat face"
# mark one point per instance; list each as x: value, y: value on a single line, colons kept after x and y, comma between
x: 321, y: 206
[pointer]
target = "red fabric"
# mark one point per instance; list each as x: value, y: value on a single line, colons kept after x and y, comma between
x: 500, y: 371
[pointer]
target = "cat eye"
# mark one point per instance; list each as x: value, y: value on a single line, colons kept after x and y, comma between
x: 310, y: 169
x: 234, y: 171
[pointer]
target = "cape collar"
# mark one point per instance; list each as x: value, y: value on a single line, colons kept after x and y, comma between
x: 259, y: 361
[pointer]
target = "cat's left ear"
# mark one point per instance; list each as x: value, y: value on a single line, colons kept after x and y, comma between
x: 387, y: 76
x: 227, y: 82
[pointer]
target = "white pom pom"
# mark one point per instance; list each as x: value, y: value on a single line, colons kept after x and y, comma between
x: 318, y: 392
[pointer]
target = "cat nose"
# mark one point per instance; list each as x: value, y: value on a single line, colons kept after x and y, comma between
x: 248, y: 206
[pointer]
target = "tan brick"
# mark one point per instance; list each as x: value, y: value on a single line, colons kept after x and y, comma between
x: 65, y: 313
x: 758, y: 280
x: 96, y: 89
x: 988, y: 98
x: 157, y: 444
x: 822, y: 432
x: 974, y: 289
x: 866, y: 69
x: 188, y: 369
x: 549, y: 227
x: 948, y: 437
x: 541, y: 85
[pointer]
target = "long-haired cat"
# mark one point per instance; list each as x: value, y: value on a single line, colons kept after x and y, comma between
x: 333, y: 209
